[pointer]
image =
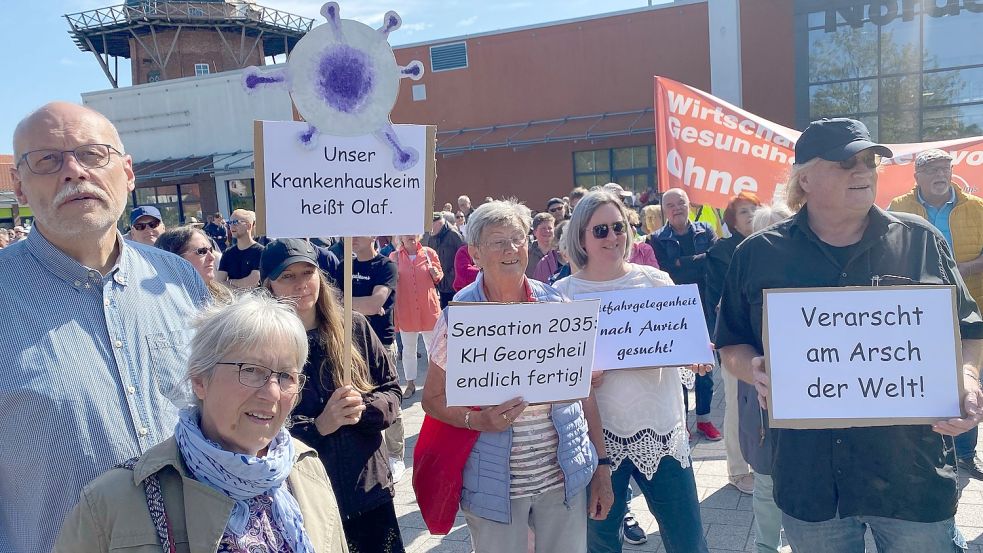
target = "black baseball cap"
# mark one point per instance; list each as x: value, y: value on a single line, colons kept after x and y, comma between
x: 284, y: 252
x: 835, y: 139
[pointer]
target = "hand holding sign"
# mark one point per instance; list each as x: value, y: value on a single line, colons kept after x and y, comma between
x: 344, y: 407
x: 972, y: 408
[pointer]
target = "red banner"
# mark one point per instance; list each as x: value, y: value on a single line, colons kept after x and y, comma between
x: 715, y: 150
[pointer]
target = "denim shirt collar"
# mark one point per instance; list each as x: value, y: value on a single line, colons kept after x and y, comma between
x: 71, y: 271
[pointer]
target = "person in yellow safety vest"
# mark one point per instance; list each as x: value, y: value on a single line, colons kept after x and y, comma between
x: 709, y: 215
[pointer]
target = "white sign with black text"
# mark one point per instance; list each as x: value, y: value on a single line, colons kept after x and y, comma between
x: 343, y: 185
x: 650, y: 327
x: 541, y: 352
x: 843, y: 357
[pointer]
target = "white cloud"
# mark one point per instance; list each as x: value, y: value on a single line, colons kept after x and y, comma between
x: 415, y: 27
x: 67, y: 61
x: 468, y: 21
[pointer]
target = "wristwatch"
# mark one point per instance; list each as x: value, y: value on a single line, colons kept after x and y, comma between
x: 604, y: 461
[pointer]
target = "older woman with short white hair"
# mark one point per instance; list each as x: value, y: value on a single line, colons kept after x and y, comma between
x: 231, y: 479
x: 531, y: 465
x: 642, y: 416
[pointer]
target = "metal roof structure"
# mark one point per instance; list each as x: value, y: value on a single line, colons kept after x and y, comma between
x: 193, y: 166
x: 565, y: 129
x: 106, y: 32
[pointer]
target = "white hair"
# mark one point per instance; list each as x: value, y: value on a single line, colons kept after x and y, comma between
x: 250, y: 321
x: 496, y: 212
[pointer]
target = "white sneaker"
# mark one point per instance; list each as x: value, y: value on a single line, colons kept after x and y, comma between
x: 398, y: 468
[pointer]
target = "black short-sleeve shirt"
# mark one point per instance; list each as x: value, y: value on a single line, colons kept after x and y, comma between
x: 239, y: 263
x: 366, y: 275
x: 904, y: 472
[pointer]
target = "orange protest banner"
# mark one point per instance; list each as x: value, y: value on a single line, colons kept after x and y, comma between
x: 715, y: 150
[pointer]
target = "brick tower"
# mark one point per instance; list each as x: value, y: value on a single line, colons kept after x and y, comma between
x: 169, y: 39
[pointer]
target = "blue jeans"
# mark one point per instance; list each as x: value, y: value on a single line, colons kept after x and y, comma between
x: 891, y: 535
x: 671, y: 497
x: 767, y: 515
x: 966, y: 444
x: 703, y: 389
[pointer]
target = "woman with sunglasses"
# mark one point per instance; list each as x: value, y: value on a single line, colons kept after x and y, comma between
x: 231, y: 479
x: 531, y: 465
x: 644, y: 425
x: 195, y: 246
x: 343, y: 423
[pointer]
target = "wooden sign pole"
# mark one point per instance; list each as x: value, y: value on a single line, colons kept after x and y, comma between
x: 349, y: 261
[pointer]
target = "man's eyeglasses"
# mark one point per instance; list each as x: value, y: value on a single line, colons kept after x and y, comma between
x: 503, y: 245
x: 256, y: 376
x: 47, y: 162
x: 145, y: 226
x: 558, y: 207
x: 201, y: 252
x: 870, y: 161
x: 935, y: 170
x: 601, y: 231
x: 235, y: 222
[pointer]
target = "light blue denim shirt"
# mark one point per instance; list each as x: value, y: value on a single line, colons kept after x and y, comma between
x: 86, y: 362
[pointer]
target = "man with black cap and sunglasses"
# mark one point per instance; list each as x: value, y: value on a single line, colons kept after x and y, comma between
x: 900, y: 481
x: 146, y: 225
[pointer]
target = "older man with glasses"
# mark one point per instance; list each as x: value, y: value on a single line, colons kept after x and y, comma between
x: 958, y: 215
x: 86, y: 375
x: 832, y: 485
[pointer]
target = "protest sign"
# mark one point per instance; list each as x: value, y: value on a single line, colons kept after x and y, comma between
x: 715, y: 150
x: 844, y: 357
x: 541, y: 352
x: 650, y: 327
x: 344, y: 185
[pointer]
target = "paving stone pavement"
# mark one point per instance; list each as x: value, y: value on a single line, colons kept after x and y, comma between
x: 727, y: 517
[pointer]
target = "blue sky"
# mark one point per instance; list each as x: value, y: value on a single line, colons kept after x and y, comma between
x: 42, y: 63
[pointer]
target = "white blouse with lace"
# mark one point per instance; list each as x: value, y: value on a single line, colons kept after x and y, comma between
x: 641, y: 409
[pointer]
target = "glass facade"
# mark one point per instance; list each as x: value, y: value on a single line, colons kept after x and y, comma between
x: 176, y: 203
x: 911, y: 70
x: 242, y: 194
x: 632, y: 167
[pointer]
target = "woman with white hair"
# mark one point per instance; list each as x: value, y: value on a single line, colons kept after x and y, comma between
x: 642, y: 416
x: 231, y: 478
x: 531, y: 465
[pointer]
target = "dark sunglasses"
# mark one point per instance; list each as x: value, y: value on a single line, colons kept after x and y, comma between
x: 201, y: 251
x: 144, y: 226
x: 601, y: 231
x: 871, y: 162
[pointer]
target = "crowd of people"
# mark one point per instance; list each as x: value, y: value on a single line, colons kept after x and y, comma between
x: 185, y: 389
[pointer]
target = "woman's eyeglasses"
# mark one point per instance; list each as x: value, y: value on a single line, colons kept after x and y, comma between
x: 256, y: 376
x: 144, y: 226
x: 870, y: 161
x: 601, y: 231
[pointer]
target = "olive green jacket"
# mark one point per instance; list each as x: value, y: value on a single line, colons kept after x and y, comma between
x: 112, y: 514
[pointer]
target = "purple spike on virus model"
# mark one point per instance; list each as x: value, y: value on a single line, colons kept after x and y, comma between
x: 344, y: 79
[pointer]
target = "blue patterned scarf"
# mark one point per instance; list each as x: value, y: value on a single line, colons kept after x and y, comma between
x: 244, y: 477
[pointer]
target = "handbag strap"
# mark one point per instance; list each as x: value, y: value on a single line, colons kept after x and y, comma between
x: 155, y: 504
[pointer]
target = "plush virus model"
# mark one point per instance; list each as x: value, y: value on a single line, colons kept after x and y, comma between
x: 344, y: 79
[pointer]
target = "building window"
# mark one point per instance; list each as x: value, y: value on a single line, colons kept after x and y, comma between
x: 242, y: 194
x: 911, y: 73
x: 176, y: 203
x: 153, y: 76
x: 201, y: 69
x: 632, y: 167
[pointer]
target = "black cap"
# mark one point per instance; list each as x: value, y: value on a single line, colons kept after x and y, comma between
x: 836, y: 139
x: 284, y: 252
x: 554, y: 201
